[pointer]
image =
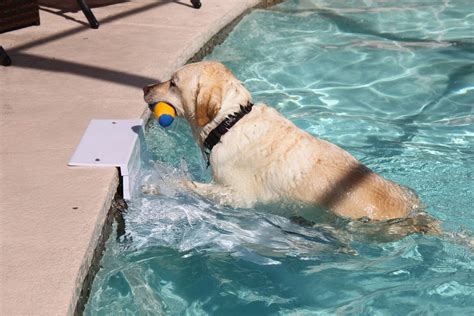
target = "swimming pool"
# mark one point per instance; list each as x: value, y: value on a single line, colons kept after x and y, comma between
x: 389, y: 81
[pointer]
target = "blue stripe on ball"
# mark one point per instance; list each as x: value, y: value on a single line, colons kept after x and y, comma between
x: 165, y: 120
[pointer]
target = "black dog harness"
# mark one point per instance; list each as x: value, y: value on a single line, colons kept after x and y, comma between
x: 215, y: 135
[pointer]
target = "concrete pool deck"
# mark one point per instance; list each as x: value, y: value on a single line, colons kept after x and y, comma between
x: 63, y: 75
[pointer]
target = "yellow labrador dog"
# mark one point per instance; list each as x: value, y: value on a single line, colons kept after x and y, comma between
x: 259, y: 156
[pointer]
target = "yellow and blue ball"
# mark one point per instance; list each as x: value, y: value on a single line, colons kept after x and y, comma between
x: 164, y: 113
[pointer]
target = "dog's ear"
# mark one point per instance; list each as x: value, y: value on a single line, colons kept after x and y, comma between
x: 208, y: 103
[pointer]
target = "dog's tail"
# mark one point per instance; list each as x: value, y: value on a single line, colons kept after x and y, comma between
x: 422, y: 222
x: 394, y: 229
x: 426, y: 224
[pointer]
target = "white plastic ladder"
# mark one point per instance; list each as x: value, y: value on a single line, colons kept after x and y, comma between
x: 112, y: 143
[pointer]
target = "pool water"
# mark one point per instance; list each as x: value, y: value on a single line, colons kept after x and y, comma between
x: 392, y: 82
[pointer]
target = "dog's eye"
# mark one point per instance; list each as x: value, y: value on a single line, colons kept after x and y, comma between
x: 172, y: 83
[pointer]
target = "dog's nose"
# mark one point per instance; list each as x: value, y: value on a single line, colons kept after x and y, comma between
x: 147, y: 89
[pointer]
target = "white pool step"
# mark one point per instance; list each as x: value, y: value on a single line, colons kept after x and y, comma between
x: 112, y: 143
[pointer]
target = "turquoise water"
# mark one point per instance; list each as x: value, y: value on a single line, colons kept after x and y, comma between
x: 392, y: 82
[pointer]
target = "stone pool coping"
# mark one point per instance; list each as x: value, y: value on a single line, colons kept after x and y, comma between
x: 63, y: 75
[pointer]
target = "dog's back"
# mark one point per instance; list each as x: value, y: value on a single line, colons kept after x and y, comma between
x: 266, y: 158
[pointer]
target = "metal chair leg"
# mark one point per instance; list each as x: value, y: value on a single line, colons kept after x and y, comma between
x: 5, y: 60
x: 88, y: 13
x: 196, y: 3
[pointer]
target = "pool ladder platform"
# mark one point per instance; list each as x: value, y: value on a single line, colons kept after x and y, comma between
x: 112, y: 143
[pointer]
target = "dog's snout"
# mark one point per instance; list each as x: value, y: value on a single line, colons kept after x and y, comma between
x: 147, y: 89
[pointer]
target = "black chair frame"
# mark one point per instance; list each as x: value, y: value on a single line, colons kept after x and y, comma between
x: 95, y: 24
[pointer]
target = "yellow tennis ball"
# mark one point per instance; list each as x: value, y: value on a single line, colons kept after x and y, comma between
x: 164, y: 113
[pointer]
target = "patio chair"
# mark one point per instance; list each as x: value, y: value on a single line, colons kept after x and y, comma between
x: 16, y: 14
x: 95, y: 24
x: 5, y: 60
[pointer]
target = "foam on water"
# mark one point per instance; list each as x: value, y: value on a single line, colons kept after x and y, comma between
x: 389, y: 81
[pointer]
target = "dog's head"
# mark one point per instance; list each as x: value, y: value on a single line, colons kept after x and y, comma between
x: 203, y: 93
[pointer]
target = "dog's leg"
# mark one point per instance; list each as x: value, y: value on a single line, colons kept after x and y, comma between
x: 213, y: 191
x: 150, y: 189
x: 219, y: 193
